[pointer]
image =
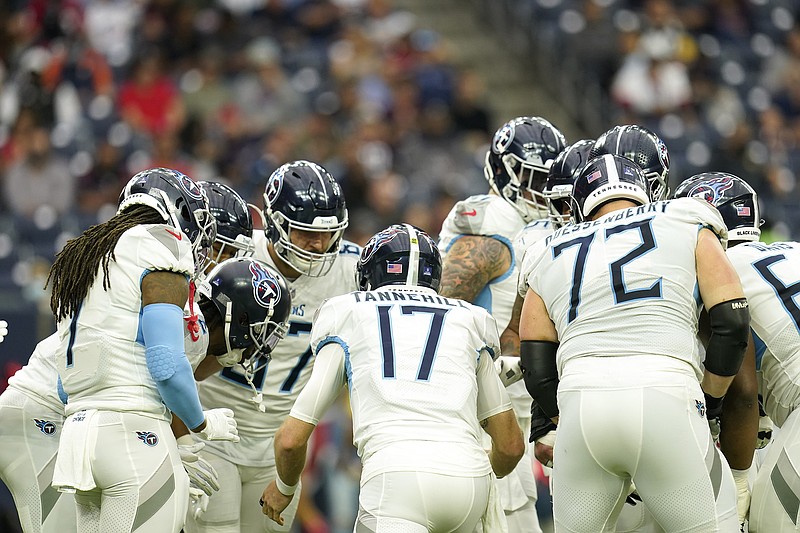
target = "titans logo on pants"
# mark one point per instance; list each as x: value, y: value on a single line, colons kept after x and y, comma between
x: 149, y: 438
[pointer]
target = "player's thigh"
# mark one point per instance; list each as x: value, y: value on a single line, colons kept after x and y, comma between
x: 590, y: 459
x: 254, y: 481
x: 222, y: 514
x: 407, y: 501
x: 775, y: 504
x: 28, y: 447
x: 138, y: 471
x: 679, y: 472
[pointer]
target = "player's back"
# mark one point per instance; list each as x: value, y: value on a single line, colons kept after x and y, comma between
x: 769, y: 274
x: 625, y: 284
x: 411, y: 360
x: 101, y: 354
x: 38, y: 379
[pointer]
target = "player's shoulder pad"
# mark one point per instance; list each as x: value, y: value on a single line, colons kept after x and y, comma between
x: 483, y: 215
x: 161, y: 246
x: 349, y: 248
x: 697, y: 211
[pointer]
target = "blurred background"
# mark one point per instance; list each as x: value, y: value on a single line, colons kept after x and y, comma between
x: 398, y: 99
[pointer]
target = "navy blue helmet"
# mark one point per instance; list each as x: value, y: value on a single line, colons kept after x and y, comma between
x: 561, y: 178
x: 180, y: 202
x: 302, y: 195
x: 517, y: 163
x: 254, y: 302
x: 606, y: 178
x: 234, y: 221
x: 733, y: 197
x: 399, y: 255
x: 644, y: 148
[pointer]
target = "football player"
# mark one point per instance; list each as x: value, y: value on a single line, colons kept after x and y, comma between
x: 419, y: 369
x: 304, y: 217
x: 481, y: 262
x: 608, y: 327
x: 118, y: 294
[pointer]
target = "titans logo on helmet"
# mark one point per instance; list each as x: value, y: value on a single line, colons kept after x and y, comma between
x: 148, y: 437
x: 503, y: 137
x: 274, y: 186
x: 711, y: 190
x: 45, y: 426
x: 663, y: 153
x: 192, y: 188
x: 266, y: 290
x: 378, y: 240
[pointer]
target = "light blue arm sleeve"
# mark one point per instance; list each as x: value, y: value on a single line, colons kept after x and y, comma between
x: 162, y: 330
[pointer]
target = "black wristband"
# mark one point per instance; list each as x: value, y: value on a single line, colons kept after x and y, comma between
x: 713, y: 406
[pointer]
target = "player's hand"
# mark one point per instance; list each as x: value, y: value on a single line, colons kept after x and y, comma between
x: 543, y: 448
x: 198, y: 500
x: 273, y: 502
x: 3, y: 329
x: 508, y: 369
x: 202, y: 475
x: 220, y: 425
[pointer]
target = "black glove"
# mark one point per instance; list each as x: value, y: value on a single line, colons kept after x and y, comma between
x: 540, y: 423
x: 713, y: 407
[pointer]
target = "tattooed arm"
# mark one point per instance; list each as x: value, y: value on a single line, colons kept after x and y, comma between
x: 471, y: 264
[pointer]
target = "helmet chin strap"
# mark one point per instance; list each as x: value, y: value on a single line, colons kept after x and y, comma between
x: 413, y: 256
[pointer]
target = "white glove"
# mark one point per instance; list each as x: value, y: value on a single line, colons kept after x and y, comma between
x: 3, y: 329
x: 202, y: 475
x: 765, y: 427
x: 199, y: 501
x: 508, y: 369
x: 742, y: 493
x: 220, y: 425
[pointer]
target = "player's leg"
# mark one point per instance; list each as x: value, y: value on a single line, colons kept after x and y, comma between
x: 775, y: 505
x: 28, y: 447
x: 254, y: 481
x: 139, y: 473
x: 679, y: 473
x: 222, y: 514
x: 588, y: 494
x: 411, y: 502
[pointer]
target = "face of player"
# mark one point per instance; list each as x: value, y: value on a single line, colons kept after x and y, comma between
x: 311, y: 241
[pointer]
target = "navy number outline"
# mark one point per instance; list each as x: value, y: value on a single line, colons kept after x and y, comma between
x: 621, y: 295
x: 785, y: 293
x: 431, y: 343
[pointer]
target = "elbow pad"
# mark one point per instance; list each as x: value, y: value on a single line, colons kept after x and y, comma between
x: 538, y: 361
x: 730, y: 330
x: 162, y: 331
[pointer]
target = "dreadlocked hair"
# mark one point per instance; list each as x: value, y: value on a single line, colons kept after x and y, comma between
x: 75, y: 268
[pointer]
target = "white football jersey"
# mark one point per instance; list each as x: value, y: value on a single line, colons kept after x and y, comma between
x: 640, y: 262
x: 38, y: 379
x: 101, y: 356
x: 282, y: 378
x: 770, y: 275
x: 411, y: 361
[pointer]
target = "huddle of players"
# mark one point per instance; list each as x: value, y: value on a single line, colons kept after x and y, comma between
x: 538, y: 185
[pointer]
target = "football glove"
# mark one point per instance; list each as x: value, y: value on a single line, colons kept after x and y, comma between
x: 202, y: 475
x: 3, y: 329
x: 220, y: 425
x: 508, y: 369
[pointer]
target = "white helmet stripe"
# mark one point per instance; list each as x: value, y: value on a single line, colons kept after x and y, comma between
x: 321, y: 178
x: 611, y: 169
x: 413, y: 256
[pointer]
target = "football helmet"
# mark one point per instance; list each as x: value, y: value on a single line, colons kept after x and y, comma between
x: 179, y: 201
x: 234, y: 221
x: 302, y: 195
x: 644, y: 148
x: 560, y: 179
x: 733, y: 197
x: 254, y: 303
x: 606, y: 178
x: 517, y: 163
x: 399, y: 255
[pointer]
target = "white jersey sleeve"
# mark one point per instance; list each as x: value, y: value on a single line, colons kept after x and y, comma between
x: 101, y: 353
x: 280, y: 380
x: 770, y: 276
x: 637, y: 264
x: 324, y: 385
x: 38, y: 379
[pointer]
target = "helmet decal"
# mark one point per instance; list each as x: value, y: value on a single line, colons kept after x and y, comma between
x: 191, y: 187
x: 266, y: 289
x: 274, y: 186
x: 663, y: 153
x: 711, y: 190
x: 503, y: 137
x: 379, y: 239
